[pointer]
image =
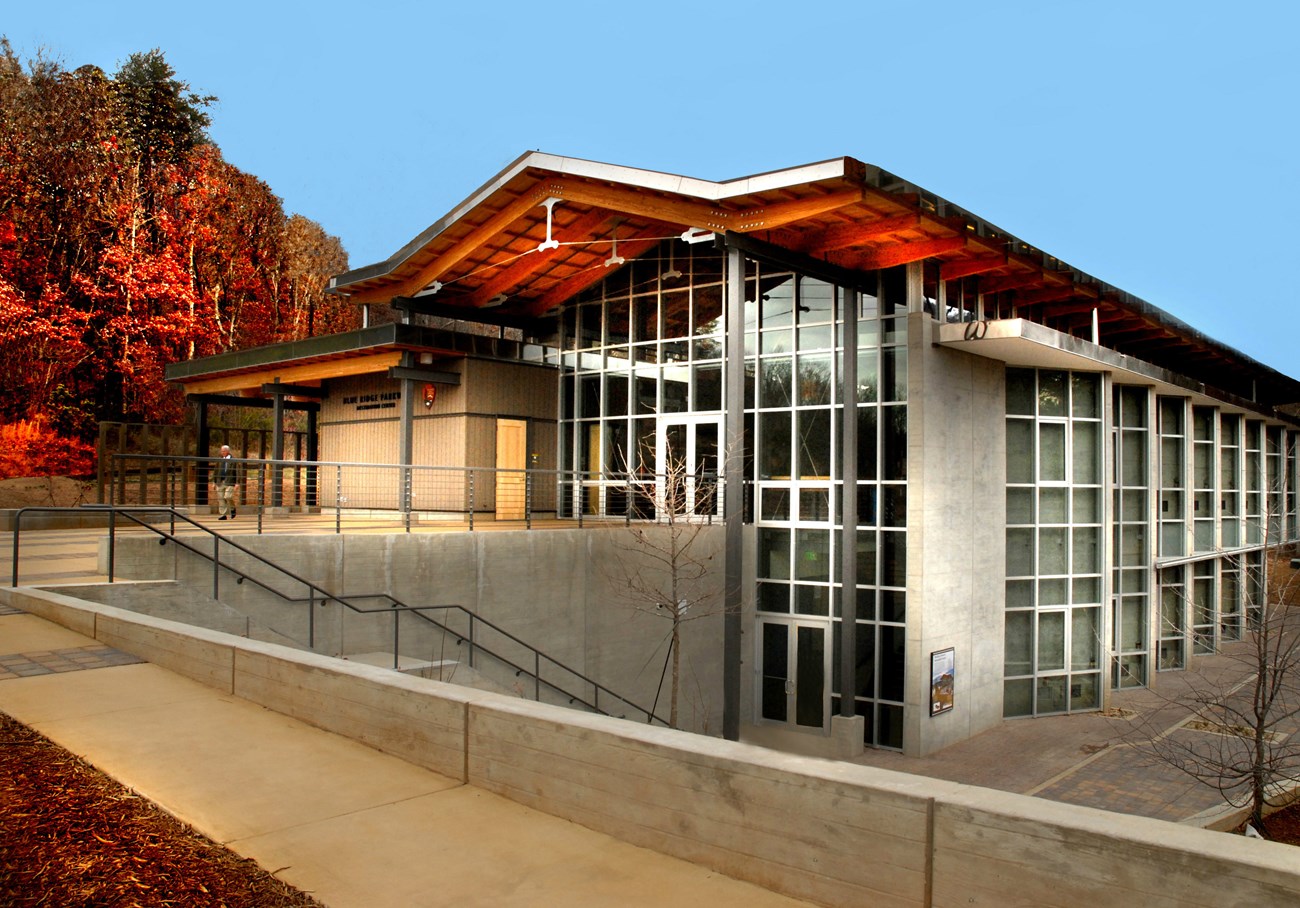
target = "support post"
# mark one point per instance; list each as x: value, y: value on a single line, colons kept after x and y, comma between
x: 203, y: 447
x: 849, y: 510
x: 733, y: 492
x: 406, y: 444
x: 313, y: 454
x: 277, y: 451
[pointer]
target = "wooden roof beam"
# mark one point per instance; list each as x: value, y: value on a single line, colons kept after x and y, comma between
x: 629, y: 249
x: 460, y: 249
x: 905, y: 253
x: 842, y: 236
x: 951, y: 271
x: 621, y: 200
x: 522, y: 269
x: 1046, y: 295
x: 778, y: 214
x: 1011, y: 282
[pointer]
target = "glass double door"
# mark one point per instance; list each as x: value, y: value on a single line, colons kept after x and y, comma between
x: 794, y: 662
x: 688, y: 465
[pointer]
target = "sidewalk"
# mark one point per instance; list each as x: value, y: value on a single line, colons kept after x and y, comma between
x: 348, y: 824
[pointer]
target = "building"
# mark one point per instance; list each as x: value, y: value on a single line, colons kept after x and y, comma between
x: 1019, y: 479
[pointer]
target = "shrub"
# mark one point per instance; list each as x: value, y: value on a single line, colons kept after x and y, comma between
x: 30, y: 449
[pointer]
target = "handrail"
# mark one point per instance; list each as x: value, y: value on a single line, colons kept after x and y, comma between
x: 406, y: 489
x: 395, y: 605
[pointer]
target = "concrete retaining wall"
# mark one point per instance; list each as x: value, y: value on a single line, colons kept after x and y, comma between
x: 564, y: 592
x: 833, y: 833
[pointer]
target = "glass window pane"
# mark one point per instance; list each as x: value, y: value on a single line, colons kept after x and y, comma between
x: 813, y: 555
x: 1051, y: 641
x: 1051, y: 393
x: 1018, y: 659
x: 814, y: 443
x: 1085, y: 638
x: 868, y: 379
x: 1087, y: 459
x: 1051, y: 695
x: 1020, y: 553
x: 774, y: 382
x: 1020, y: 392
x: 1018, y: 698
x: 1051, y: 550
x: 1020, y: 450
x: 1085, y: 395
x: 893, y: 373
x: 774, y: 553
x: 1020, y: 506
x: 866, y: 443
x: 1052, y: 505
x: 1051, y: 452
x: 1085, y: 691
x: 894, y: 442
x: 1086, y: 557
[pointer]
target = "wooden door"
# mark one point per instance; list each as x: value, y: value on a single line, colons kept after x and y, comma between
x: 512, y: 460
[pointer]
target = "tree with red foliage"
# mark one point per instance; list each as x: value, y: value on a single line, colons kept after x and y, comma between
x: 126, y: 242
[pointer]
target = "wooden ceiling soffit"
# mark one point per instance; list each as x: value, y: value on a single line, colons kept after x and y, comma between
x: 778, y: 214
x: 951, y: 271
x: 515, y: 274
x: 628, y: 248
x: 459, y: 250
x: 1134, y: 335
x: 1046, y: 295
x: 1075, y: 308
x: 1011, y: 282
x: 298, y: 374
x: 842, y: 236
x: 905, y: 253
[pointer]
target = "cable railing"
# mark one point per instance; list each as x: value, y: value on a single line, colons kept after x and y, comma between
x: 483, y: 638
x: 416, y: 495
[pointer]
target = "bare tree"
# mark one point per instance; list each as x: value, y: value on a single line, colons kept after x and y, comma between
x: 667, y: 568
x: 1247, y: 717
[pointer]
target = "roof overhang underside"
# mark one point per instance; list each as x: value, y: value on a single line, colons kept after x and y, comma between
x: 1018, y: 342
x: 309, y: 362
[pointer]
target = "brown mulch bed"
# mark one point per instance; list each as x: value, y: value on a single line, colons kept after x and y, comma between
x: 70, y: 837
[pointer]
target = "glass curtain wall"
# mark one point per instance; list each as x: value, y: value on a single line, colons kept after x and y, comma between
x: 1054, y: 550
x: 794, y: 359
x: 1132, y: 529
x: 642, y: 377
x: 642, y: 362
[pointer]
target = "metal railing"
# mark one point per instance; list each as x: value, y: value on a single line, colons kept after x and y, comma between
x: 472, y: 631
x: 409, y: 495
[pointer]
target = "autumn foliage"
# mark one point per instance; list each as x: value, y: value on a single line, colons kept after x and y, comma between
x: 126, y: 243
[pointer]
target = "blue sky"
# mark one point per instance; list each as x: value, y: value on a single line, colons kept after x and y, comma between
x: 1152, y: 144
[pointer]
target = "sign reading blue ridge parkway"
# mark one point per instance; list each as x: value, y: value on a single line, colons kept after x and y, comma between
x: 386, y: 400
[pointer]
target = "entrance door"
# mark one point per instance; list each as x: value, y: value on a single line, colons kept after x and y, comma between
x: 794, y: 663
x: 689, y: 465
x: 512, y: 460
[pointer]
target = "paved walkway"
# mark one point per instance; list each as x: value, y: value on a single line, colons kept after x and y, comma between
x: 333, y: 817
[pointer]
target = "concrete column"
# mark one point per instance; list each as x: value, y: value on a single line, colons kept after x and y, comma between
x: 733, y: 491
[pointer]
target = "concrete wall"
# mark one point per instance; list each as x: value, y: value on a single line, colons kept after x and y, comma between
x: 956, y: 512
x: 832, y: 833
x: 564, y: 592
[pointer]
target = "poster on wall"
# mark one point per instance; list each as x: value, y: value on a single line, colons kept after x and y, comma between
x: 941, y: 681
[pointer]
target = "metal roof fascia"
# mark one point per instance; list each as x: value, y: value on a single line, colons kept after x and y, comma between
x: 272, y: 354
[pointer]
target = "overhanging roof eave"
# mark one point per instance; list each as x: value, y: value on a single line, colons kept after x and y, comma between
x: 1020, y: 342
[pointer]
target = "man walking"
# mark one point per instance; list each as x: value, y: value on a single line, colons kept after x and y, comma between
x: 226, y: 480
